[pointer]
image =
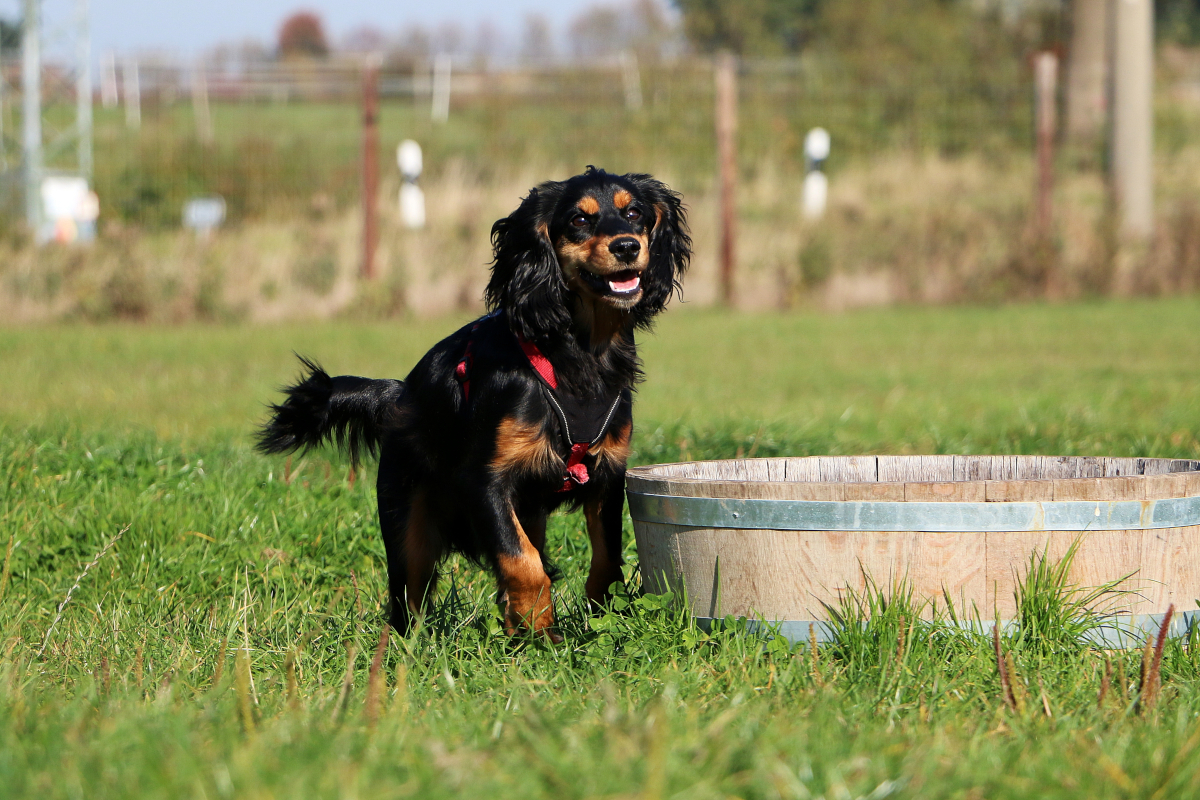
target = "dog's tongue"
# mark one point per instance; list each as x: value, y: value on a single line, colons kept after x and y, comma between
x: 626, y: 281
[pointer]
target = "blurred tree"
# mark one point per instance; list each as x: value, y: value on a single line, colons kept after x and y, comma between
x: 10, y: 36
x: 750, y: 27
x: 537, y: 45
x: 449, y: 38
x: 303, y: 34
x: 640, y: 26
x: 487, y: 44
x: 918, y: 42
x: 410, y: 50
x: 909, y: 31
x: 364, y: 39
x: 1178, y: 20
x: 596, y: 33
x: 882, y: 39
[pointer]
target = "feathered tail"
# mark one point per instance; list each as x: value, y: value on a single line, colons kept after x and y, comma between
x: 352, y: 412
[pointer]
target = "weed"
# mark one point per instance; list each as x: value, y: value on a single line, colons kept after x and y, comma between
x: 1054, y: 616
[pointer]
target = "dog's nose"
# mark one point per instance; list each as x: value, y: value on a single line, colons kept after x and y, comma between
x: 625, y: 249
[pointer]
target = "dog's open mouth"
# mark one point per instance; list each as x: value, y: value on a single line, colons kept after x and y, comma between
x: 623, y: 283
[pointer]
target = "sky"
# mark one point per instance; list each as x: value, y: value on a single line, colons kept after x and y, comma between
x: 188, y: 27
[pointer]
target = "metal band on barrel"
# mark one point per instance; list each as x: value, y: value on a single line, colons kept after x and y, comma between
x: 820, y: 515
x: 1119, y: 631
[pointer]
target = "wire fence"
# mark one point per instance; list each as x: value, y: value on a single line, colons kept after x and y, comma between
x: 263, y: 134
x: 931, y: 175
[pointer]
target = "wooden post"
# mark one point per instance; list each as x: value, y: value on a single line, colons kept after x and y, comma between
x: 1132, y: 118
x: 31, y: 112
x: 370, y: 166
x: 200, y: 110
x: 1087, y: 71
x: 726, y: 112
x: 1045, y: 87
x: 109, y: 95
x: 133, y: 94
x: 440, y: 98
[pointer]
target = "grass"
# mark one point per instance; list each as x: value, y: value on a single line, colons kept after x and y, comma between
x: 224, y: 645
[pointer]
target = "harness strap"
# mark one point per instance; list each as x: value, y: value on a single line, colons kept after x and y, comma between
x: 541, y: 365
x: 462, y: 370
x: 576, y: 473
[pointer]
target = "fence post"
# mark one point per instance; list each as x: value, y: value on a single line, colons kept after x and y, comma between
x: 1087, y: 70
x: 31, y: 112
x: 440, y: 101
x: 726, y: 123
x: 133, y: 93
x: 83, y: 89
x: 200, y: 110
x: 370, y: 165
x: 109, y: 96
x: 1132, y: 115
x: 1046, y: 90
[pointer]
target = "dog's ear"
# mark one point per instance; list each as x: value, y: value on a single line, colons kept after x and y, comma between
x: 527, y: 282
x: 670, y: 246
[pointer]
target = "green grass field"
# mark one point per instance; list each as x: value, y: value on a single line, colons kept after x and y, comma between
x: 223, y: 646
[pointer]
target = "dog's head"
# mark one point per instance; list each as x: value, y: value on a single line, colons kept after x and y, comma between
x: 619, y: 242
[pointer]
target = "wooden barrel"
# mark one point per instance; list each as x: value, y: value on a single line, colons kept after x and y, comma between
x: 776, y: 539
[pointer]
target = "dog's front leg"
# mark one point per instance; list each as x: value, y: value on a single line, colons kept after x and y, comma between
x: 524, y: 587
x: 603, y: 515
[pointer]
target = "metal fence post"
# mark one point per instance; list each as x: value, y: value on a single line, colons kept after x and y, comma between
x: 370, y: 165
x: 726, y: 122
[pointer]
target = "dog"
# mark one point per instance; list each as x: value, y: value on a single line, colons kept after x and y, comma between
x: 520, y: 412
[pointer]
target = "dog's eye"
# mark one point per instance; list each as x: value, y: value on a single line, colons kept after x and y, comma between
x: 633, y: 215
x: 579, y: 221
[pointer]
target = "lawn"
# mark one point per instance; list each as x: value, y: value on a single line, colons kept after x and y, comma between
x: 226, y: 644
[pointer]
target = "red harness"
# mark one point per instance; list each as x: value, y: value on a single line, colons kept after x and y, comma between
x: 576, y: 473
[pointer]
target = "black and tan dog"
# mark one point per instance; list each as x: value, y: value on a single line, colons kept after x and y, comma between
x: 520, y: 412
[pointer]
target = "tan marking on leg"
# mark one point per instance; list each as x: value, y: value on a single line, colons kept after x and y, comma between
x: 525, y: 588
x: 622, y: 198
x: 614, y: 447
x: 604, y: 570
x: 588, y: 205
x: 421, y: 553
x: 523, y: 448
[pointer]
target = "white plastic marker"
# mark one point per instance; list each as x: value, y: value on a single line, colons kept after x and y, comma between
x: 69, y: 210
x: 412, y: 199
x: 204, y: 215
x: 816, y: 185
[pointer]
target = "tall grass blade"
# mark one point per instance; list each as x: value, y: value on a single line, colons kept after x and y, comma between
x: 1152, y: 666
x: 1006, y: 691
x: 78, y: 580
x: 376, y: 680
x: 242, y: 682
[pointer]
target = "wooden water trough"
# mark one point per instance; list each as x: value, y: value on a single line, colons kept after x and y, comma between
x: 773, y: 540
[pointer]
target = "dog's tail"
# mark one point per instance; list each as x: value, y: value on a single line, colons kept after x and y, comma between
x: 350, y: 411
